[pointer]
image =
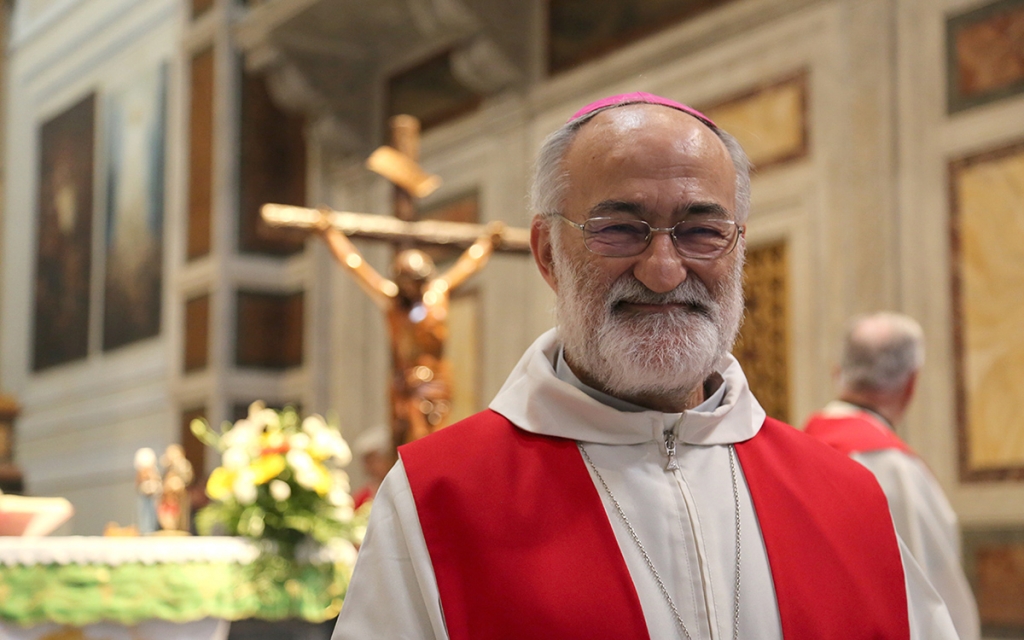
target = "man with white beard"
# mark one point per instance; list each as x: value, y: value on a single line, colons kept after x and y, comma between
x: 624, y: 482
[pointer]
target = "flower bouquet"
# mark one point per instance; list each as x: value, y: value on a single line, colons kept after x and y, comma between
x: 281, y: 483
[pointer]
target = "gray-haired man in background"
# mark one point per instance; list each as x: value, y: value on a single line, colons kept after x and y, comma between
x: 882, y: 355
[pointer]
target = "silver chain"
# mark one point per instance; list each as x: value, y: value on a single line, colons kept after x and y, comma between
x: 739, y: 550
x: 647, y: 558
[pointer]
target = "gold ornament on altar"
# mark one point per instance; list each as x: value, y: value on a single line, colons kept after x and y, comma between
x: 415, y: 299
x: 281, y: 481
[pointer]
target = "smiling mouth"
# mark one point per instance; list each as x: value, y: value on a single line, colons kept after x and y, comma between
x: 637, y: 306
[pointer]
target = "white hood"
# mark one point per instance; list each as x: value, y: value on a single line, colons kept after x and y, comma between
x: 536, y: 400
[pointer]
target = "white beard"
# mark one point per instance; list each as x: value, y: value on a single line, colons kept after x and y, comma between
x: 646, y: 353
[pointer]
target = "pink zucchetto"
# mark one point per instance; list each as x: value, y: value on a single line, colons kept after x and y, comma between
x: 639, y: 97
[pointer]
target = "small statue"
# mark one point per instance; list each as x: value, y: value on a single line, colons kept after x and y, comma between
x: 174, y: 510
x: 147, y: 484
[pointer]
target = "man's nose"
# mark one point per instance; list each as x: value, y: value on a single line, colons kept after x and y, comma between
x: 660, y: 268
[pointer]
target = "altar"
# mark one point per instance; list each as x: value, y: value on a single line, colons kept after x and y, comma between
x: 157, y: 587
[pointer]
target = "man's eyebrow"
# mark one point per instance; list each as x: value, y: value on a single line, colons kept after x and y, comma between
x: 617, y: 206
x: 692, y: 209
x: 703, y: 209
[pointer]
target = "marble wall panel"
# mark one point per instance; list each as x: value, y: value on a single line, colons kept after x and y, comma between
x: 987, y: 242
x: 770, y: 121
x: 994, y: 563
x: 985, y: 54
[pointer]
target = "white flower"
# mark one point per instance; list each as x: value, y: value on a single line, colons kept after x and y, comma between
x: 340, y: 481
x: 299, y: 460
x: 299, y: 441
x: 342, y: 451
x: 267, y: 418
x: 314, y: 424
x: 240, y: 434
x: 244, y: 488
x: 329, y: 443
x: 256, y: 407
x: 306, y: 477
x: 339, y: 497
x: 280, y: 490
x: 235, y: 458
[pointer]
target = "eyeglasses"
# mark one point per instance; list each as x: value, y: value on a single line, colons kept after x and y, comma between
x: 622, y: 238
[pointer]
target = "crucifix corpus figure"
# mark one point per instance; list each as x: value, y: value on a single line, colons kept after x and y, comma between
x: 415, y: 299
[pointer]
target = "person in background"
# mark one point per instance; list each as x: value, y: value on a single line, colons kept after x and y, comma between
x: 374, y: 449
x: 882, y: 356
x: 625, y: 483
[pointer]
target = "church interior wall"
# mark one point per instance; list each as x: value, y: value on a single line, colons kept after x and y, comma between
x: 929, y: 138
x: 865, y: 213
x: 81, y: 422
x: 864, y: 210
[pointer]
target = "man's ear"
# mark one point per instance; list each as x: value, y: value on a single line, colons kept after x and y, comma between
x: 540, y: 243
x: 908, y: 390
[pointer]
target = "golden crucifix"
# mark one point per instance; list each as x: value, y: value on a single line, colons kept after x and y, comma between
x: 415, y: 299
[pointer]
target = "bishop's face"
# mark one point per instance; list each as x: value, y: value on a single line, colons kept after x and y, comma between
x: 651, y: 327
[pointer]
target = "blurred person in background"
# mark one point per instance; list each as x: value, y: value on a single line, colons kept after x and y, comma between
x: 882, y: 356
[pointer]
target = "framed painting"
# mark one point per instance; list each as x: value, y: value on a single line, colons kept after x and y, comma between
x: 135, y: 144
x: 985, y: 54
x: 64, y: 237
x: 987, y: 226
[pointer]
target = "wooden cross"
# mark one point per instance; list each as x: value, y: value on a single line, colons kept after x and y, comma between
x: 398, y: 163
x: 415, y: 299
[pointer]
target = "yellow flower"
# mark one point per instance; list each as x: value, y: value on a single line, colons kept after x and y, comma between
x: 266, y: 468
x: 218, y: 487
x: 274, y: 440
x: 323, y: 479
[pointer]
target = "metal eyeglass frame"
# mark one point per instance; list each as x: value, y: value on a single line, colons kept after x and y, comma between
x: 651, y: 231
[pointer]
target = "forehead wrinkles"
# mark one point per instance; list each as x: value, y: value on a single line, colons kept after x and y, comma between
x: 646, y: 141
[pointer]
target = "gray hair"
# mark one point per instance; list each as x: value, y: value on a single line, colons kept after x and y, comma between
x: 550, y: 179
x: 881, y: 351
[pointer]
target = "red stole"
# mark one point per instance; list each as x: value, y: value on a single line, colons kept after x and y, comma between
x: 857, y: 433
x: 522, y: 547
x: 831, y: 543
